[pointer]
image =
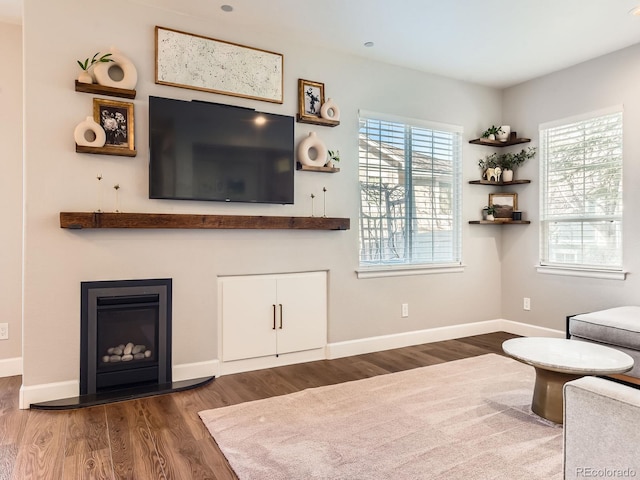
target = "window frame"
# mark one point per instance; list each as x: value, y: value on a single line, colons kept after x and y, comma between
x: 547, y: 266
x: 373, y: 269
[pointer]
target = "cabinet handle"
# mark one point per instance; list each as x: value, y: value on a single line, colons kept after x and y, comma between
x: 280, y: 316
x: 274, y: 316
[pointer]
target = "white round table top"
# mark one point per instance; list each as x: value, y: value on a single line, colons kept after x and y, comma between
x: 568, y: 356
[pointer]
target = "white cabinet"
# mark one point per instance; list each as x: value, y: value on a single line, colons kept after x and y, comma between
x: 273, y: 314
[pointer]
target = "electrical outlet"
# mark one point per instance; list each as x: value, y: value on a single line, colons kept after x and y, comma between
x: 526, y: 304
x: 405, y: 310
x: 4, y: 331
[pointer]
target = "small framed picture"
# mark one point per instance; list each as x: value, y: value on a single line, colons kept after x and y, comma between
x: 116, y: 118
x: 310, y: 97
x: 504, y: 203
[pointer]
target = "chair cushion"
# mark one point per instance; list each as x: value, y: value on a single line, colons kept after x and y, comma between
x: 615, y: 326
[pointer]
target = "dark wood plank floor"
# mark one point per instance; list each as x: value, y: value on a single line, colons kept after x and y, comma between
x: 162, y: 437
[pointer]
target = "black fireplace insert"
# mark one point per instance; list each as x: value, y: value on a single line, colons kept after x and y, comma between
x: 125, y: 334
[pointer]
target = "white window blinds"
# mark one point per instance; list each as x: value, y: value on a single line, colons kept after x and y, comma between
x: 410, y: 184
x: 581, y: 200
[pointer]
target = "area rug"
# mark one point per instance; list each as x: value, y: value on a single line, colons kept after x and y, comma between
x: 467, y: 419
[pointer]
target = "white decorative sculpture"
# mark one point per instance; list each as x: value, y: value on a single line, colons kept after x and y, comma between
x: 493, y: 174
x: 88, y: 133
x: 312, y: 142
x: 330, y: 111
x: 129, y: 73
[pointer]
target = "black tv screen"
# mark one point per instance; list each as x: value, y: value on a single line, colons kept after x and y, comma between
x: 209, y: 151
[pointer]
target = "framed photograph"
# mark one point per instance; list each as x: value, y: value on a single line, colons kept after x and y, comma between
x: 311, y: 98
x: 193, y: 61
x: 116, y: 118
x: 504, y: 203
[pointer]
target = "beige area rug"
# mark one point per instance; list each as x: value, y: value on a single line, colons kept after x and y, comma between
x: 467, y: 419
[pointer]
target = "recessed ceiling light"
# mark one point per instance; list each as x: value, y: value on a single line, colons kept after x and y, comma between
x: 635, y: 11
x: 226, y: 8
x: 368, y: 44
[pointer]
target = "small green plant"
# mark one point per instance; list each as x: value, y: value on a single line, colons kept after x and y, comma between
x: 490, y: 161
x: 509, y: 161
x: 87, y: 64
x: 334, y: 155
x: 492, y: 130
x: 490, y: 210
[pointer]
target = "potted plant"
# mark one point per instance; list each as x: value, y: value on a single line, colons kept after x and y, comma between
x: 489, y: 213
x: 508, y: 162
x: 491, y: 132
x: 333, y: 156
x: 85, y: 76
x: 488, y: 164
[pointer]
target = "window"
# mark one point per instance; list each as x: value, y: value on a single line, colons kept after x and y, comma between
x: 410, y: 183
x: 581, y: 200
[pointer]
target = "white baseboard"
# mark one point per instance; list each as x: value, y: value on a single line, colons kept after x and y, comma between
x: 527, y: 330
x: 407, y: 339
x: 10, y: 367
x: 58, y: 390
x: 189, y: 371
x: 48, y: 391
x: 250, y: 364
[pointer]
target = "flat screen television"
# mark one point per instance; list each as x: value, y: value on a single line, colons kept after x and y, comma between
x: 208, y: 151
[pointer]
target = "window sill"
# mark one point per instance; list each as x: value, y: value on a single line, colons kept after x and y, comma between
x: 406, y: 270
x: 582, y: 272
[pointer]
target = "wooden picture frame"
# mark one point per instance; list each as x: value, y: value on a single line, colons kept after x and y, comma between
x: 187, y: 60
x: 310, y: 99
x: 116, y: 119
x: 504, y: 203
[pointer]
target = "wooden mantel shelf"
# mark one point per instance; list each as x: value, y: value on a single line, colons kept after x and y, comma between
x: 80, y: 220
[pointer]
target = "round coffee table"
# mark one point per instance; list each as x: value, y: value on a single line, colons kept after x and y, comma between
x: 557, y: 361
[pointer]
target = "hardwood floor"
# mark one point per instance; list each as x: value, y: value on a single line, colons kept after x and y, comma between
x: 162, y: 437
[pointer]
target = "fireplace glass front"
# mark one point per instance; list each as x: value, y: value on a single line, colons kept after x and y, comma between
x: 126, y: 332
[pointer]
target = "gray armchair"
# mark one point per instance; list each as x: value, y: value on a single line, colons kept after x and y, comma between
x: 601, y: 429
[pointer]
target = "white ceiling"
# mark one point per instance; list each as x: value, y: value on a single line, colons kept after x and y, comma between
x: 498, y: 43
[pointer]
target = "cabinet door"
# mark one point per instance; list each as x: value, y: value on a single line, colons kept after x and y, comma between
x: 303, y: 325
x: 248, y: 317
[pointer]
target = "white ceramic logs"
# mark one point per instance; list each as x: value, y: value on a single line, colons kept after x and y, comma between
x: 312, y: 142
x: 88, y: 133
x: 108, y: 73
x: 330, y: 111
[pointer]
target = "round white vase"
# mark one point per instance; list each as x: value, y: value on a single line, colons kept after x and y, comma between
x: 105, y: 72
x: 312, y: 142
x: 89, y: 133
x: 507, y: 175
x: 330, y: 111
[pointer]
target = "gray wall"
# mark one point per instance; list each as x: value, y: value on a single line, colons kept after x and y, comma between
x: 58, y: 179
x: 11, y: 190
x: 606, y: 81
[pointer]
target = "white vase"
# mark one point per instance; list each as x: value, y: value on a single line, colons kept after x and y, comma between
x: 105, y: 72
x: 312, y: 142
x: 330, y: 111
x: 85, y: 77
x: 88, y: 133
x: 490, y: 218
x: 503, y: 136
x: 491, y: 137
x: 507, y: 175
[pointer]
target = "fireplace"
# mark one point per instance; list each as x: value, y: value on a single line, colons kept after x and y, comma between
x: 125, y: 335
